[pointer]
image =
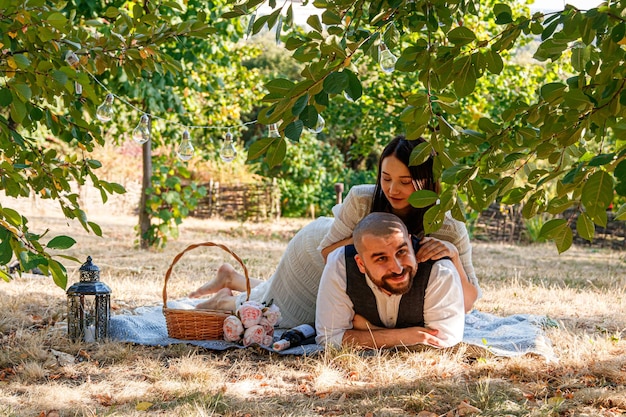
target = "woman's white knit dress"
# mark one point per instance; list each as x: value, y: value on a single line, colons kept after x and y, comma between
x: 293, y: 286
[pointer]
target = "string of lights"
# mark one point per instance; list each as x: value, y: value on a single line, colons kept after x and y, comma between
x: 141, y: 134
x: 185, y: 150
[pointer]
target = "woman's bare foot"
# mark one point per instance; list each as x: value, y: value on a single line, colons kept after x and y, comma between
x: 223, y: 300
x: 226, y: 276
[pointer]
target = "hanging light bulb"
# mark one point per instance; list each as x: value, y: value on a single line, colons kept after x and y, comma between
x: 319, y: 126
x: 78, y: 88
x: 72, y: 59
x: 185, y: 149
x: 386, y: 59
x: 273, y: 131
x: 228, y: 151
x: 104, y: 113
x: 141, y: 134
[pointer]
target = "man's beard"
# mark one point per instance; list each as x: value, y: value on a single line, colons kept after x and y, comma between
x: 384, y: 284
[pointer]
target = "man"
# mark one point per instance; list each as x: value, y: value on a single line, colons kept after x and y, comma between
x: 374, y: 294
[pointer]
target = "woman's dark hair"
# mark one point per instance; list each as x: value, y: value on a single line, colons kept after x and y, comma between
x: 422, y: 175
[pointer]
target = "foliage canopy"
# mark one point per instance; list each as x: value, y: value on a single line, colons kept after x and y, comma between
x: 557, y: 148
x: 56, y: 59
x: 497, y: 138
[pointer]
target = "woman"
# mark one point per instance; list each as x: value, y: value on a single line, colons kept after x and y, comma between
x: 294, y: 284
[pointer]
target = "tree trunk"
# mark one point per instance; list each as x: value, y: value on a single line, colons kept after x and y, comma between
x: 144, y: 216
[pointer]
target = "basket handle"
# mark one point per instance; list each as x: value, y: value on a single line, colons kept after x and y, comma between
x: 196, y: 245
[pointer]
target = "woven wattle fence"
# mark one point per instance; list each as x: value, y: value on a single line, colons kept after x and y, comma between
x: 499, y: 223
x: 506, y: 224
x: 253, y: 202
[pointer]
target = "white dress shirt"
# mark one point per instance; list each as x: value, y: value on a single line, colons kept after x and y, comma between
x: 443, y: 303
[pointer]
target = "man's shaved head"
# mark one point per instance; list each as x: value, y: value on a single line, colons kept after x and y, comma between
x: 379, y: 224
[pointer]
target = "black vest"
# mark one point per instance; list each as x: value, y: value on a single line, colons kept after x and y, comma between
x: 411, y: 310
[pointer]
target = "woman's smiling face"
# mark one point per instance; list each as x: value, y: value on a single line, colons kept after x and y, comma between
x: 397, y: 184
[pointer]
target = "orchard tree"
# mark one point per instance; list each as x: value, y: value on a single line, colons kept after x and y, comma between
x: 58, y: 61
x: 555, y: 149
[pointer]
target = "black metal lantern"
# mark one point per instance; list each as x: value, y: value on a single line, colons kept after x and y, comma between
x: 88, y: 306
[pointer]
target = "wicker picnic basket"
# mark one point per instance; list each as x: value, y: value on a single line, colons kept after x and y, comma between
x: 197, y: 324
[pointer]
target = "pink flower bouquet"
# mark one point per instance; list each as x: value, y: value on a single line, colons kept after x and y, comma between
x: 250, y: 313
x: 254, y: 334
x: 253, y: 323
x: 233, y: 329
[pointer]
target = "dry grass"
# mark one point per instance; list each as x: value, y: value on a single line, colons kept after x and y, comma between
x: 41, y: 373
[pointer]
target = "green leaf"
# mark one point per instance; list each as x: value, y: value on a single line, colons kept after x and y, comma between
x: 57, y: 20
x: 236, y: 12
x: 250, y: 25
x: 620, y: 171
x: 22, y: 61
x: 458, y: 211
x: 354, y: 89
x: 420, y: 154
x: 12, y: 216
x: 6, y: 253
x: 315, y: 23
x: 259, y: 23
x: 602, y: 159
x: 585, y: 227
x: 553, y: 228
x: 330, y: 18
x: 60, y: 77
x: 5, y: 97
x: 30, y: 260
x: 336, y: 82
x: 447, y: 199
x: 559, y: 204
x: 551, y: 25
x: 423, y: 198
x: 461, y: 36
x: 173, y: 5
x: 321, y: 98
x: 495, y: 65
x: 550, y: 49
x: 94, y: 163
x: 564, y: 240
x: 96, y: 228
x: 259, y: 148
x: 294, y: 130
x: 576, y: 99
x: 597, y: 192
x: 309, y: 116
x: 465, y: 78
x: 300, y: 105
x: 279, y: 28
x: 580, y: 57
x: 618, y: 32
x: 552, y: 91
x: 503, y: 13
x: 276, y: 152
x: 280, y: 86
x: 477, y: 192
x: 23, y: 91
x: 515, y: 195
x: 433, y: 219
x: 61, y: 242
x: 112, y: 12
x: 268, y: 115
x: 59, y: 274
x: 451, y: 175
